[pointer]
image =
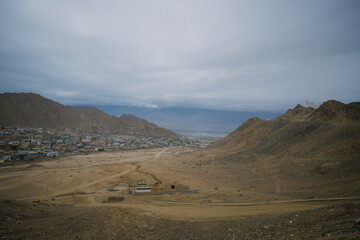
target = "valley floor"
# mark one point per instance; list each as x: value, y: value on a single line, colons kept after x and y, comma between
x: 68, y: 199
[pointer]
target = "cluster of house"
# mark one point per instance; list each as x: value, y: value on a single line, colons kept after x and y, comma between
x: 170, y: 187
x: 21, y: 144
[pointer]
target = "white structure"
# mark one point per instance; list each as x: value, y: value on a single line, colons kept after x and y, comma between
x: 141, y: 187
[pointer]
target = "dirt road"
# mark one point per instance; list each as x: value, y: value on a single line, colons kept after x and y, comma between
x: 38, y: 220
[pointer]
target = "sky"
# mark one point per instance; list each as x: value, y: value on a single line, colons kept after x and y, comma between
x: 225, y: 55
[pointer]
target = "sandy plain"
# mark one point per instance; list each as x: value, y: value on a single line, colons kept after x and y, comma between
x: 84, y: 180
x: 67, y: 198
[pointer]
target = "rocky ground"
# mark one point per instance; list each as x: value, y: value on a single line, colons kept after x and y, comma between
x: 45, y: 220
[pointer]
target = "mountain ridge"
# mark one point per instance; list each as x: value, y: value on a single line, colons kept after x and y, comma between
x: 190, y: 120
x: 303, y: 153
x: 299, y: 126
x: 34, y: 110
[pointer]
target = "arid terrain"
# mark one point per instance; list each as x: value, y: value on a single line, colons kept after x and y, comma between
x: 180, y: 120
x: 67, y: 199
x: 293, y: 177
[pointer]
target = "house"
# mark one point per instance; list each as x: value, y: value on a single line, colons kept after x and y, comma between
x: 26, y: 141
x: 99, y: 149
x: 33, y: 155
x: 20, y: 156
x: 5, y: 159
x: 14, y: 143
x: 141, y: 187
x: 46, y: 148
x: 52, y: 154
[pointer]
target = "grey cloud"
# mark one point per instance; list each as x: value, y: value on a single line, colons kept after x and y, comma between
x: 216, y: 54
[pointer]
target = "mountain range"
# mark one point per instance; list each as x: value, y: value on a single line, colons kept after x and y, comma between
x: 33, y: 110
x: 189, y: 121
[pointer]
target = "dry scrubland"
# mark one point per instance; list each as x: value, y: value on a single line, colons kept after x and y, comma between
x: 294, y: 177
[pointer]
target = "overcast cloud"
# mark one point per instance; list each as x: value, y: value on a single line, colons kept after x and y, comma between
x: 237, y: 55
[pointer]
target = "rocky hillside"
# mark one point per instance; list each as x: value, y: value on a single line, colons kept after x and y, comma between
x: 330, y: 111
x: 305, y: 152
x: 331, y: 130
x: 33, y: 110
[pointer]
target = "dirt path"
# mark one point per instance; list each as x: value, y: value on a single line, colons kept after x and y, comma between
x: 26, y: 220
x: 157, y: 180
x: 203, y: 212
x: 135, y: 168
x: 106, y: 179
x: 208, y: 212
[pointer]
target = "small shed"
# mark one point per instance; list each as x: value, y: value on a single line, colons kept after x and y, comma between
x: 141, y: 187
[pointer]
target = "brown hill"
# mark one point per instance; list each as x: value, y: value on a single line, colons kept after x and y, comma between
x: 299, y: 112
x: 304, y: 152
x: 334, y: 111
x: 331, y: 130
x: 33, y: 110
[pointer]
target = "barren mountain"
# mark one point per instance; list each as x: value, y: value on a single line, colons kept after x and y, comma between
x: 328, y: 131
x: 305, y: 152
x: 190, y: 121
x: 334, y: 111
x: 33, y: 110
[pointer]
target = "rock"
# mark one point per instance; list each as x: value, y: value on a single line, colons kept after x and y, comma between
x: 112, y: 190
x: 147, y: 213
x: 357, y: 220
x: 115, y: 199
x: 267, y: 227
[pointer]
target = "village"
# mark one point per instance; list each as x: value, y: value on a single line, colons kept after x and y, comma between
x: 30, y: 144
